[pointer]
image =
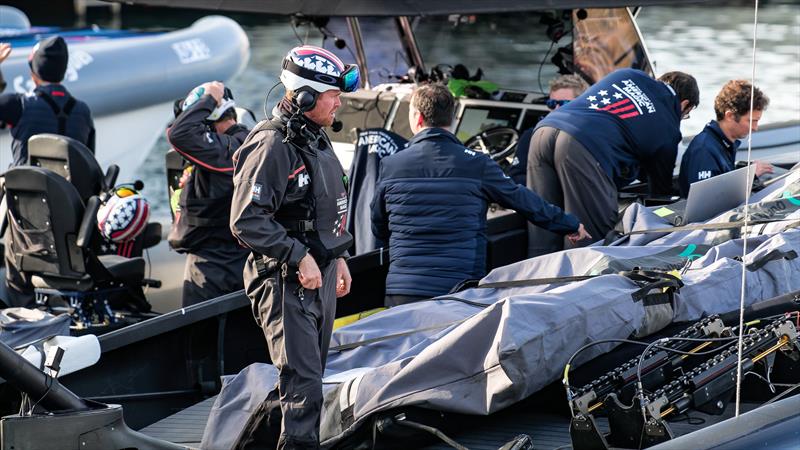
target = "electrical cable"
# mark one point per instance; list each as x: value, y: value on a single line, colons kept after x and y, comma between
x: 266, y: 99
x: 782, y: 394
x: 541, y: 65
x: 640, y: 387
x: 294, y: 30
x: 651, y: 345
x: 47, y: 391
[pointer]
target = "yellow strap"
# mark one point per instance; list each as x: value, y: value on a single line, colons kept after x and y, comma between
x: 352, y: 318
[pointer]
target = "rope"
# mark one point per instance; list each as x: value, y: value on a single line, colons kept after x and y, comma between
x: 746, y: 216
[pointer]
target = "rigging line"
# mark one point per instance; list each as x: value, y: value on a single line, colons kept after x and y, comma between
x: 746, y: 215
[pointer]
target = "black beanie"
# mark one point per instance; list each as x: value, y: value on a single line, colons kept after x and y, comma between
x: 49, y: 59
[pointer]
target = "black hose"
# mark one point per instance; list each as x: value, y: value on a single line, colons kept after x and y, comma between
x: 432, y: 431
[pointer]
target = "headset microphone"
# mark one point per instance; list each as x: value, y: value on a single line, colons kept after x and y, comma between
x: 337, y: 126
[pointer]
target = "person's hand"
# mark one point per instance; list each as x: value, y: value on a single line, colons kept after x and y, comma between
x: 343, y: 278
x: 5, y: 50
x: 763, y: 167
x: 579, y: 235
x: 187, y: 173
x: 308, y: 273
x: 215, y: 89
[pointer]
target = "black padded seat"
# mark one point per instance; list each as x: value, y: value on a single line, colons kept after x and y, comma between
x: 51, y: 236
x: 122, y: 268
x: 81, y: 284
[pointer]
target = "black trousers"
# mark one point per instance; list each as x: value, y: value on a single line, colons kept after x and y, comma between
x: 297, y: 325
x: 212, y: 271
x: 564, y: 173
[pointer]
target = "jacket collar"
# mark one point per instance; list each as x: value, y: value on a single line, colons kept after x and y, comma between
x: 433, y: 134
x: 729, y: 145
x: 52, y: 87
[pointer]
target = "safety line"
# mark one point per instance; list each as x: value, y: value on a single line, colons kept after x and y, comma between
x: 746, y: 215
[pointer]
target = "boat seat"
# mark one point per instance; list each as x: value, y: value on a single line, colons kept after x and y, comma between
x: 70, y: 159
x: 51, y: 234
x: 78, y: 165
x: 122, y: 268
x: 59, y: 283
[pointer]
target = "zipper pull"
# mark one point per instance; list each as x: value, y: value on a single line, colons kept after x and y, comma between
x: 284, y: 270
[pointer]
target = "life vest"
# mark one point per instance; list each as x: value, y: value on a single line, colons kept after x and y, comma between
x: 49, y: 109
x: 319, y: 220
x: 200, y: 218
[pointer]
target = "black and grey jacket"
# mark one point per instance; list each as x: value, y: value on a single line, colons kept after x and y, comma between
x: 206, y: 196
x: 290, y: 196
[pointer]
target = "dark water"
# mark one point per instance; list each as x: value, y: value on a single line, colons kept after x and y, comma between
x: 712, y: 43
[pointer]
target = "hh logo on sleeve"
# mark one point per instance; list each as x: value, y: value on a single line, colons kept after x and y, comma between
x: 703, y: 174
x: 256, y: 192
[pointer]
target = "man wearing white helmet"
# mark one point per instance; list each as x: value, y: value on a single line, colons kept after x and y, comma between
x: 290, y: 209
x: 206, y: 134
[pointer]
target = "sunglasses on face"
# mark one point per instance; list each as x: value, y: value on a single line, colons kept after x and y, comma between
x: 553, y: 104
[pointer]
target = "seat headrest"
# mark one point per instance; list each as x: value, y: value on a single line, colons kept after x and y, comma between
x: 68, y: 158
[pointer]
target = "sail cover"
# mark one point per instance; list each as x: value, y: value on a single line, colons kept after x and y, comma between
x: 484, y: 349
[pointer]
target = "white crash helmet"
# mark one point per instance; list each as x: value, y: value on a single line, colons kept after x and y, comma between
x: 124, y: 216
x: 195, y: 95
x: 308, y: 66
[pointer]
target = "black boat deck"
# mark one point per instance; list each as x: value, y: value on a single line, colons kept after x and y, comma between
x: 549, y: 431
x: 184, y: 428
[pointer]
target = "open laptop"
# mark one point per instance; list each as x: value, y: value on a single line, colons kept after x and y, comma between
x: 708, y: 198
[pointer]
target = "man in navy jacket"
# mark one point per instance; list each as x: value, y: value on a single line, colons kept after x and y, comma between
x: 626, y: 126
x: 713, y: 151
x: 431, y: 203
x: 49, y: 108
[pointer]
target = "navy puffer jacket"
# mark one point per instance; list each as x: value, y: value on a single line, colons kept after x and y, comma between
x: 430, y: 205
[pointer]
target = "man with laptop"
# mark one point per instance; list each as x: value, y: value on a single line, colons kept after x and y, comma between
x: 713, y: 151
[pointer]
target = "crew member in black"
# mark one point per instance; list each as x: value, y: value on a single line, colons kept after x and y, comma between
x: 49, y: 108
x: 290, y: 209
x: 206, y: 135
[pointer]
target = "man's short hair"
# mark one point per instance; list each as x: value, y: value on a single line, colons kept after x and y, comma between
x: 684, y: 85
x: 571, y: 81
x: 436, y: 104
x: 735, y: 97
